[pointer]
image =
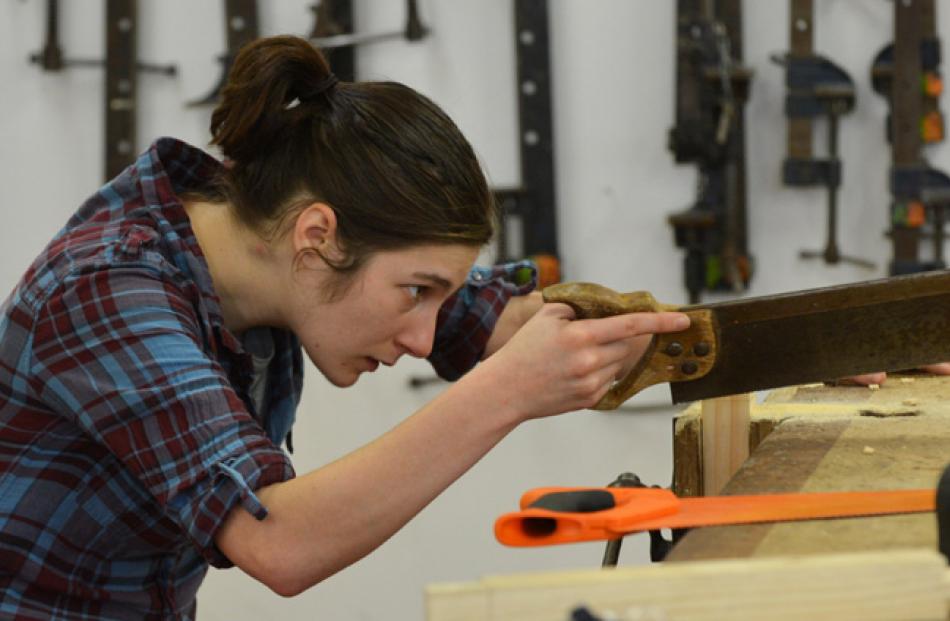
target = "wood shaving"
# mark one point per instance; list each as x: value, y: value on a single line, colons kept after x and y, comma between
x: 888, y: 411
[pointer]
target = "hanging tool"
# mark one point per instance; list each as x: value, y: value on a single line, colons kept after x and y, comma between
x: 240, y: 20
x: 907, y: 73
x: 816, y: 87
x: 741, y: 346
x: 528, y: 225
x: 121, y: 70
x: 711, y: 91
x: 51, y: 58
x: 120, y: 85
x: 882, y: 73
x: 553, y: 515
x: 413, y: 31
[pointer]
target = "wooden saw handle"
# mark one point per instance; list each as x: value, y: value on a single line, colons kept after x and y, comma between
x: 671, y: 357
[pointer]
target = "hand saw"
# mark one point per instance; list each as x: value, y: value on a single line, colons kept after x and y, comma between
x: 794, y: 338
x: 552, y: 515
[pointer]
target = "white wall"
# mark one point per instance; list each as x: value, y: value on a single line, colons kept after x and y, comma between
x: 613, y: 104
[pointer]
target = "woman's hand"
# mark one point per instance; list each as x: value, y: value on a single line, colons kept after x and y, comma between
x: 556, y: 364
x: 940, y: 368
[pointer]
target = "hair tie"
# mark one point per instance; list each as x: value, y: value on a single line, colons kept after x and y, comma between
x: 320, y: 88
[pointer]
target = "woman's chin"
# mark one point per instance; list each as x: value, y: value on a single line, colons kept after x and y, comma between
x: 342, y: 377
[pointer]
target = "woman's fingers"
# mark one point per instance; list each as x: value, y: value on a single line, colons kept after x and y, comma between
x: 941, y: 368
x: 619, y: 327
x: 865, y: 379
x: 564, y: 363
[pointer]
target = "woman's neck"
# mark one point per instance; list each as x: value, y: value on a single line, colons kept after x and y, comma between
x: 244, y: 268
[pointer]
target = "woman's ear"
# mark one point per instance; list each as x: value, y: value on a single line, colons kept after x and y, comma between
x: 315, y: 228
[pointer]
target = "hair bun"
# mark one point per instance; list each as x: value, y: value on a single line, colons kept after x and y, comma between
x: 266, y: 75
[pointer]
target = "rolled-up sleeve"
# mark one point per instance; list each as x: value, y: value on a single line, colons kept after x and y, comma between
x: 232, y: 481
x: 121, y: 352
x: 468, y: 317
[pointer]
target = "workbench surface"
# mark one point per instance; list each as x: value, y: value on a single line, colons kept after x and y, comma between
x: 820, y: 438
x: 809, y: 438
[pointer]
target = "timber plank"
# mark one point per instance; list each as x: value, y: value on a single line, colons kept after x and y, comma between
x: 821, y: 441
x: 901, y: 585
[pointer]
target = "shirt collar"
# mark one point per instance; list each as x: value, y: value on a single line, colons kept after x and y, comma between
x: 169, y: 168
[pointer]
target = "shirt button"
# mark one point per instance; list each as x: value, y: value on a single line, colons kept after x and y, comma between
x: 477, y: 276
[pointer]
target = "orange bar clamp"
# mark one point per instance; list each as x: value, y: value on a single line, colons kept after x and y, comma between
x: 553, y: 515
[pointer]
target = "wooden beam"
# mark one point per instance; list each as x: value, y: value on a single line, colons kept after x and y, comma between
x: 817, y: 439
x: 725, y: 439
x: 866, y: 586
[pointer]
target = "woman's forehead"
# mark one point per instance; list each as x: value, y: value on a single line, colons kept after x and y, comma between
x: 449, y: 262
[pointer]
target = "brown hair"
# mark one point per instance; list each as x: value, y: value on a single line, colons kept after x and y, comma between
x: 393, y: 167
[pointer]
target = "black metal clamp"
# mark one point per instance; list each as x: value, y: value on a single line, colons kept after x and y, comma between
x: 711, y: 90
x: 930, y: 188
x: 818, y: 87
x: 659, y: 546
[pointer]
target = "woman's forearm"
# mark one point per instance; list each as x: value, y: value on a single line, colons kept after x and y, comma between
x: 327, y: 519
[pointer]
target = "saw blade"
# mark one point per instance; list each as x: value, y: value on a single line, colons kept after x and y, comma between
x: 824, y: 334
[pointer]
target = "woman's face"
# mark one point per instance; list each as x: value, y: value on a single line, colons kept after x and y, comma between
x: 390, y: 309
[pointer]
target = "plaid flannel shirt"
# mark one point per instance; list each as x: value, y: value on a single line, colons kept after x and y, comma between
x: 128, y: 428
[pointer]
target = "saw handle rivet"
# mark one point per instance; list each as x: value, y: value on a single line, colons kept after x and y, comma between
x: 674, y: 348
x: 701, y: 348
x: 689, y: 367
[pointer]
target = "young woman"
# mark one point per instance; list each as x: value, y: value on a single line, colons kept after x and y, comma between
x: 151, y: 357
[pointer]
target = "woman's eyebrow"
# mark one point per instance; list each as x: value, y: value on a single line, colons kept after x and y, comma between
x: 434, y: 279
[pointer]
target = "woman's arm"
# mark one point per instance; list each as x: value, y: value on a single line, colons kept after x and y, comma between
x: 325, y: 520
